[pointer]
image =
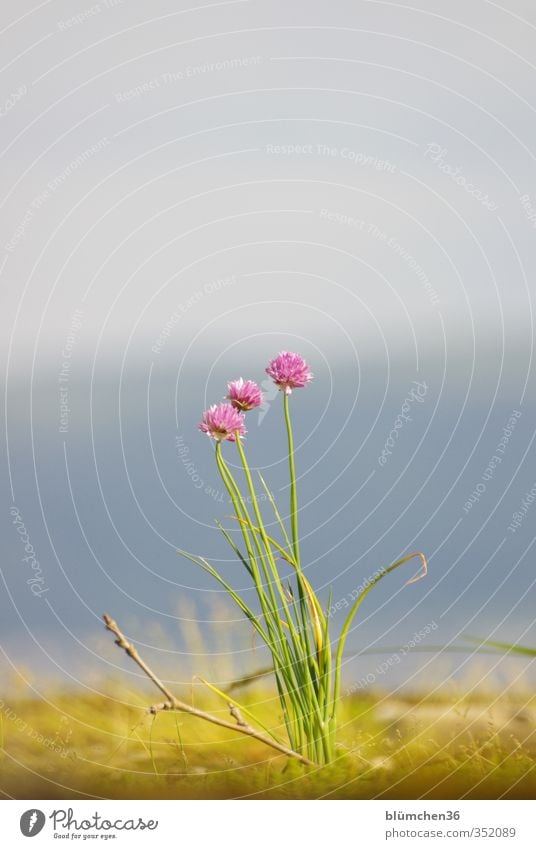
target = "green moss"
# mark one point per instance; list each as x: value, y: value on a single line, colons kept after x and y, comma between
x: 78, y: 746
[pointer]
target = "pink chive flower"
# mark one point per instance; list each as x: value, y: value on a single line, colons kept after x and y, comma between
x: 289, y: 371
x: 244, y: 394
x: 221, y: 421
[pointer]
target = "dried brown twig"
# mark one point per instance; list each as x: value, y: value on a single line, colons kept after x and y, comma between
x: 172, y: 703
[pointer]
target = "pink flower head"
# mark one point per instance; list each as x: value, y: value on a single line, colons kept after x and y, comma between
x: 289, y: 371
x: 221, y: 421
x: 244, y: 394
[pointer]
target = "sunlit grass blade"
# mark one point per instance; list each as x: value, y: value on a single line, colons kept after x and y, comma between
x: 317, y: 615
x: 247, y: 680
x: 276, y: 513
x: 285, y: 554
x: 235, y: 548
x: 240, y: 707
x: 509, y: 647
x: 203, y: 564
x: 359, y: 600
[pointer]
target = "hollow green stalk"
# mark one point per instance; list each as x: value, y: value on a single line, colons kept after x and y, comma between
x: 294, y: 522
x: 242, y: 510
x: 303, y: 669
x: 293, y: 488
x: 264, y: 537
x: 275, y: 637
x: 270, y: 610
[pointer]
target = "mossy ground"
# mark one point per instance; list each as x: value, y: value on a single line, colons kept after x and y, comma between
x: 75, y: 745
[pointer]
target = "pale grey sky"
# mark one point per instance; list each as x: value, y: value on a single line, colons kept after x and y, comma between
x: 185, y: 191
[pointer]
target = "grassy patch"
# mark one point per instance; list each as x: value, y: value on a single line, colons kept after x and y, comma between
x: 73, y: 745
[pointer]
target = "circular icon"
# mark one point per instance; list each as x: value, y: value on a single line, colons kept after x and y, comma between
x: 31, y: 822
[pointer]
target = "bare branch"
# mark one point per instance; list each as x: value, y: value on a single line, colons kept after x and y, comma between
x: 235, y: 713
x: 173, y: 703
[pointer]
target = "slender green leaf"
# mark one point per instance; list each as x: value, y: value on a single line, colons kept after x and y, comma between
x: 241, y: 708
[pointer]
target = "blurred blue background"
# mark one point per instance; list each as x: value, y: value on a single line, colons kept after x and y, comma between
x: 353, y: 183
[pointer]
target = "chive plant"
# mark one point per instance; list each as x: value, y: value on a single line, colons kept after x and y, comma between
x: 289, y: 618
